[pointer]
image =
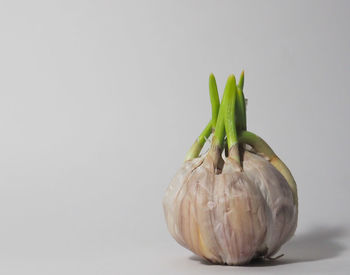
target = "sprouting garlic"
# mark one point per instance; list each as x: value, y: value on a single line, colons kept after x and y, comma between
x: 233, y: 216
x: 230, y: 210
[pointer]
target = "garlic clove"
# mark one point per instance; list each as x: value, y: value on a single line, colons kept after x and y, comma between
x: 279, y: 198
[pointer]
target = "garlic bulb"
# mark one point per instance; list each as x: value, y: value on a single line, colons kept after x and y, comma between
x: 231, y: 209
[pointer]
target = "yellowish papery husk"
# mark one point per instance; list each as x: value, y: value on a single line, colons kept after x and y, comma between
x: 230, y: 216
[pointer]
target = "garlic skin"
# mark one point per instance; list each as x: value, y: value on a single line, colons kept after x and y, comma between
x: 232, y: 216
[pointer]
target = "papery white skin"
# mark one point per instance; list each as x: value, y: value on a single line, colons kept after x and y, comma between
x: 233, y: 216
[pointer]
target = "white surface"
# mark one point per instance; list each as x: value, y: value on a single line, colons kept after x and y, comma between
x: 99, y: 101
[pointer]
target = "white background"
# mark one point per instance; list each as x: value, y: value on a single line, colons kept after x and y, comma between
x: 100, y: 100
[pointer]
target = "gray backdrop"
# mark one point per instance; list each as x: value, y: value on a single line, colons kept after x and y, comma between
x: 100, y: 100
